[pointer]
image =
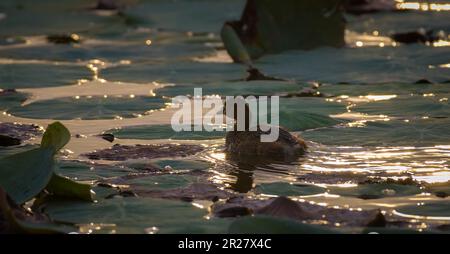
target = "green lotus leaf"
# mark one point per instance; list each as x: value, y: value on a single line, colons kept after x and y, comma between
x: 65, y: 187
x: 377, y: 190
x: 432, y: 209
x: 55, y: 137
x: 24, y: 175
x: 286, y: 189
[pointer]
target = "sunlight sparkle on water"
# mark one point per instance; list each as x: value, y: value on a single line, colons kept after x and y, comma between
x: 436, y: 177
x: 381, y: 97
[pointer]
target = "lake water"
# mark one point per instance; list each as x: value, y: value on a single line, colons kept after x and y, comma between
x: 375, y: 122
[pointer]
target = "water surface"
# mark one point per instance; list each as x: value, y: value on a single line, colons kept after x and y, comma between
x: 375, y: 121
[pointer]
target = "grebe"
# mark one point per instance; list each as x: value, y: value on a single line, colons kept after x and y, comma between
x: 247, y: 144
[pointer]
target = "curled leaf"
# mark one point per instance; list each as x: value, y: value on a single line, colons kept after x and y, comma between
x: 24, y: 175
x: 56, y: 136
x: 234, y: 45
x: 65, y: 187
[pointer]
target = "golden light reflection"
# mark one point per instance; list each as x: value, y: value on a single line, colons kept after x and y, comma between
x: 361, y: 117
x: 385, y: 205
x: 381, y: 97
x: 221, y: 178
x: 441, y: 43
x: 125, y: 62
x: 366, y: 98
x: 198, y: 205
x: 82, y: 81
x: 151, y: 230
x: 343, y: 185
x: 218, y: 156
x: 94, y: 70
x: 436, y: 177
x: 75, y: 37
x: 418, y: 217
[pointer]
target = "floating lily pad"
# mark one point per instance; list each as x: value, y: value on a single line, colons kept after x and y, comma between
x: 234, y: 88
x: 179, y: 72
x: 89, y: 108
x: 375, y: 191
x: 184, y: 164
x: 164, y: 132
x: 40, y: 75
x: 299, y: 114
x: 441, y: 190
x: 389, y: 231
x: 302, y: 116
x: 411, y: 106
x: 270, y: 225
x: 407, y: 21
x: 53, y: 17
x: 420, y: 132
x: 210, y: 15
x: 11, y: 99
x: 287, y: 189
x: 160, y: 182
x: 193, y: 191
x: 168, y: 165
x: 370, y: 65
x: 123, y: 152
x: 429, y: 209
x: 384, y: 92
x: 89, y: 172
x: 135, y: 215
